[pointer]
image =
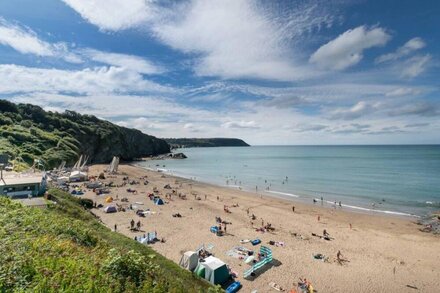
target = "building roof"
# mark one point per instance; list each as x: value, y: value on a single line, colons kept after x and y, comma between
x: 20, y: 180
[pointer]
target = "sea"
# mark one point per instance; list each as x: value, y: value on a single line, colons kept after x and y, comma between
x: 399, y: 180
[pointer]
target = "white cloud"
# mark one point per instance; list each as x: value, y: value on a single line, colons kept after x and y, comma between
x: 408, y: 48
x: 414, y: 66
x: 237, y: 39
x: 131, y: 62
x: 403, y: 91
x: 240, y: 124
x: 113, y: 15
x: 26, y: 41
x: 358, y: 110
x: 347, y: 49
x: 14, y: 78
x: 229, y: 39
x: 23, y: 40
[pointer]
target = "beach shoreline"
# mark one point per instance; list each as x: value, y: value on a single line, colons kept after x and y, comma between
x: 289, y: 197
x: 379, y: 247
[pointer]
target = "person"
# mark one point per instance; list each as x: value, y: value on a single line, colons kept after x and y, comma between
x: 138, y: 225
x: 351, y: 226
x: 116, y: 227
x: 225, y: 227
x: 314, y: 201
x: 340, y: 258
x: 340, y: 204
x: 325, y: 233
x: 319, y: 218
x: 132, y: 224
x: 293, y: 209
x: 205, y: 196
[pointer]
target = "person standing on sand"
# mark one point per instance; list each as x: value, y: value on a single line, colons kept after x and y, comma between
x: 116, y: 227
x: 293, y: 209
x: 132, y: 224
x: 319, y: 218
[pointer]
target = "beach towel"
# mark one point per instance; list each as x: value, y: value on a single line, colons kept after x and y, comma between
x: 275, y: 286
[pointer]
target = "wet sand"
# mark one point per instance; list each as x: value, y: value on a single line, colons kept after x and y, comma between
x: 385, y: 253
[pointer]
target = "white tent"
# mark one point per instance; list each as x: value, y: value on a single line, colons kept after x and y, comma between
x: 189, y: 260
x: 216, y: 271
x: 62, y: 179
x: 76, y: 176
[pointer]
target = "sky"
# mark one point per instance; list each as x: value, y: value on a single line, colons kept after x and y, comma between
x: 269, y: 72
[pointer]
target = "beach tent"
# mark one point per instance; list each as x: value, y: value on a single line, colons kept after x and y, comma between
x: 62, y: 180
x: 77, y: 176
x: 189, y: 260
x: 158, y: 201
x: 110, y: 209
x: 216, y: 271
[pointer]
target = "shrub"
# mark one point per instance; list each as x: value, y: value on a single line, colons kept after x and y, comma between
x: 86, y: 202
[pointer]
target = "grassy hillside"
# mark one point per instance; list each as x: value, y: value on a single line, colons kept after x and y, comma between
x: 206, y: 142
x: 65, y: 249
x: 29, y: 132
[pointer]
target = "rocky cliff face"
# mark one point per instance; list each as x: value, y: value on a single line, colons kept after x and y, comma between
x: 28, y: 132
x: 126, y: 143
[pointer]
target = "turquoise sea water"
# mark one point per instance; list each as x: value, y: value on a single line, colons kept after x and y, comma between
x: 383, y: 179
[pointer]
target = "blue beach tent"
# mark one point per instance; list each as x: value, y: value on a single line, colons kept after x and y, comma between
x: 158, y: 201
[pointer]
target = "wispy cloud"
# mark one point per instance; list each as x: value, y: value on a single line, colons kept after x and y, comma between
x: 414, y: 66
x: 408, y: 48
x: 126, y: 61
x: 26, y: 41
x: 19, y: 79
x: 241, y: 124
x: 113, y: 15
x: 358, y: 110
x: 403, y: 91
x: 417, y: 108
x: 248, y: 45
x: 347, y: 49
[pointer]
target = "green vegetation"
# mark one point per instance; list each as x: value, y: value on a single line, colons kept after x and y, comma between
x: 65, y: 249
x: 27, y: 132
x: 205, y: 142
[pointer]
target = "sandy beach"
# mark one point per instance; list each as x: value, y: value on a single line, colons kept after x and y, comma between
x: 384, y: 253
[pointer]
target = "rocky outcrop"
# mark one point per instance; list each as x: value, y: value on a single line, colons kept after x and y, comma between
x: 179, y: 156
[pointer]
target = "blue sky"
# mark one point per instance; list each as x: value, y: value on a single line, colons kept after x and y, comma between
x: 270, y: 72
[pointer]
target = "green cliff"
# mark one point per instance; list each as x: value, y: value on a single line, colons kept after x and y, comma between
x: 29, y: 132
x: 63, y: 248
x: 206, y: 142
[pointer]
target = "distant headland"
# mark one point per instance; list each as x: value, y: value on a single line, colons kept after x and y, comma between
x: 205, y: 142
